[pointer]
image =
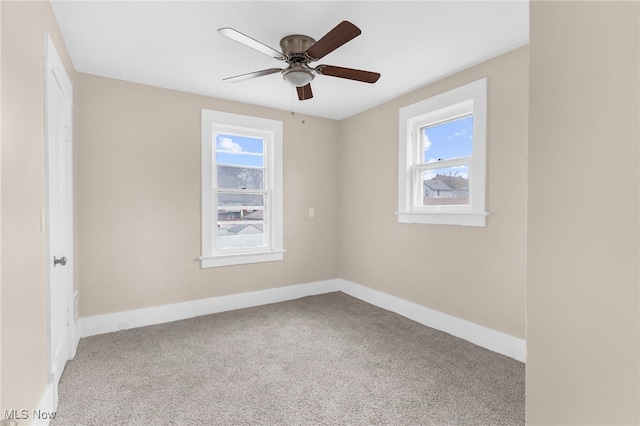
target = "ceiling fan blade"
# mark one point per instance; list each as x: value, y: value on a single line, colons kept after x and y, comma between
x: 335, y: 38
x: 250, y: 42
x: 304, y: 92
x: 248, y: 76
x: 349, y: 73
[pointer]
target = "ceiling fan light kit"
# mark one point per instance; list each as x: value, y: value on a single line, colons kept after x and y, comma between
x: 298, y: 76
x: 298, y: 51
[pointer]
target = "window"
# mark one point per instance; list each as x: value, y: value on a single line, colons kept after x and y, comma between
x: 241, y: 189
x: 442, y: 164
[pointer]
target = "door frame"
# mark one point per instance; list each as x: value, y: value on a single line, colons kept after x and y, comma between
x: 55, y: 73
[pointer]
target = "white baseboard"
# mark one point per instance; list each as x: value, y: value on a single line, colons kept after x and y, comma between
x: 74, y: 336
x: 482, y: 336
x: 46, y: 409
x: 477, y: 334
x: 100, y: 324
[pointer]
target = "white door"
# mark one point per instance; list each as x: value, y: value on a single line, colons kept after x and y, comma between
x: 58, y: 99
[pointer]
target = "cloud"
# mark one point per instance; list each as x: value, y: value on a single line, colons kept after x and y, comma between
x: 427, y: 142
x: 229, y: 146
x: 461, y: 171
x: 462, y: 132
x: 428, y: 175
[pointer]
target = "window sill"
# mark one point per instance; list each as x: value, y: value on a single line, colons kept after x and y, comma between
x: 445, y: 218
x: 240, y: 258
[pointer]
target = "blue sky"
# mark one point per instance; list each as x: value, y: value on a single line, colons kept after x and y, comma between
x: 451, y: 139
x: 239, y: 150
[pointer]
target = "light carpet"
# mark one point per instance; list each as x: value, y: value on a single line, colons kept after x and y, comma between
x: 321, y: 360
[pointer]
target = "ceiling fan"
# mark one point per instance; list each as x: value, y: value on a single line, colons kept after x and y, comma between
x: 298, y: 51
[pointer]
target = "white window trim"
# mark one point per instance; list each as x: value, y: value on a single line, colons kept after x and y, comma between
x: 274, y: 159
x: 457, y: 102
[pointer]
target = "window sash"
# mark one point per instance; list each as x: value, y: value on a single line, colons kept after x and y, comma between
x: 266, y: 191
x: 266, y: 220
x: 443, y: 164
x: 470, y: 99
x: 270, y: 131
x: 418, y: 195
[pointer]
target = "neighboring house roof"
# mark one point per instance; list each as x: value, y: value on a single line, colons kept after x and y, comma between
x: 256, y: 215
x: 436, y: 185
x: 251, y: 228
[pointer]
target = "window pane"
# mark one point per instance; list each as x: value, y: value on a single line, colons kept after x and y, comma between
x: 239, y: 150
x: 240, y: 221
x: 239, y: 200
x: 240, y: 177
x: 451, y: 139
x: 240, y: 164
x: 446, y: 186
x: 241, y: 235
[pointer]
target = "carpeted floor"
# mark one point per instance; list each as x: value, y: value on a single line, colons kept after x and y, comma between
x: 320, y: 360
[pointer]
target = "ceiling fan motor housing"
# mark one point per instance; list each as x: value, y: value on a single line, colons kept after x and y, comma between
x: 294, y: 48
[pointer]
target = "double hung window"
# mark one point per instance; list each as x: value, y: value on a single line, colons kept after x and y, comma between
x: 442, y: 159
x: 241, y: 189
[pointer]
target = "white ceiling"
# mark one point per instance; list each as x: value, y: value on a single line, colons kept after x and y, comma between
x: 175, y: 45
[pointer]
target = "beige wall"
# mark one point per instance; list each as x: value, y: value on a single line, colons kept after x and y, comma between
x: 138, y: 189
x: 24, y: 305
x: 477, y: 274
x: 1, y: 405
x: 582, y: 290
x: 139, y: 199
